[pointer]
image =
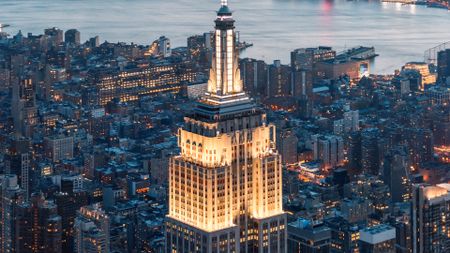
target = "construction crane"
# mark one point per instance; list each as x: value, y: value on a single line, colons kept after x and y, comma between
x: 430, y: 56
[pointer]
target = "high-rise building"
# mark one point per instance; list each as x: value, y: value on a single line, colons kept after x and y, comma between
x: 200, y: 49
x: 278, y: 80
x: 59, y: 148
x: 443, y: 64
x: 55, y: 36
x: 164, y: 48
x: 344, y: 235
x: 329, y: 150
x: 304, y: 73
x: 72, y: 36
x: 431, y: 219
x: 18, y: 162
x: 92, y: 230
x: 287, y: 142
x: 354, y: 152
x: 403, y: 231
x: 370, y: 151
x: 94, y: 41
x: 420, y: 144
x: 23, y: 106
x: 254, y: 76
x: 348, y: 123
x: 11, y: 197
x: 396, y: 174
x: 38, y: 226
x: 225, y: 188
x: 304, y: 236
x: 68, y: 204
x: 377, y: 239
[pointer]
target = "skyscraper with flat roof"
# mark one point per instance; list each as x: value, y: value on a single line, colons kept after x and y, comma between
x: 225, y: 188
x: 377, y: 239
x: 72, y: 36
x: 431, y: 218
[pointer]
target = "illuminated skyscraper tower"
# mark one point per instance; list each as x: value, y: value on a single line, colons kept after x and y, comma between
x: 226, y: 185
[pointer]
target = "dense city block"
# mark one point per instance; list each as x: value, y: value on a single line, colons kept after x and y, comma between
x: 126, y: 148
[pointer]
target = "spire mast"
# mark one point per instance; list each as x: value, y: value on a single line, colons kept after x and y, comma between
x: 224, y: 2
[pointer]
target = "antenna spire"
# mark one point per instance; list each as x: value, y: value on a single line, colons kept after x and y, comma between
x: 224, y: 2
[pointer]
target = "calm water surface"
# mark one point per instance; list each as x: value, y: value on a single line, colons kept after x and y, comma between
x: 399, y: 33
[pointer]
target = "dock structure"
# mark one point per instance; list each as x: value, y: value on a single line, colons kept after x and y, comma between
x: 400, y: 1
x: 358, y: 53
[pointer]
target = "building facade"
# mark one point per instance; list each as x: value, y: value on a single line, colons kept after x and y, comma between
x: 430, y: 219
x: 225, y: 188
x: 92, y: 230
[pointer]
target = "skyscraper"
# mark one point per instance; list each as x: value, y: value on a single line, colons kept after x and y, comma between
x: 23, y: 107
x: 92, y: 230
x: 225, y: 188
x: 328, y: 150
x: 278, y: 80
x: 443, y: 62
x: 11, y: 197
x: 370, y: 151
x: 18, y: 162
x: 72, y: 36
x: 164, y: 49
x: 430, y: 218
x: 38, y: 226
x: 377, y: 239
x: 396, y: 174
x: 254, y: 76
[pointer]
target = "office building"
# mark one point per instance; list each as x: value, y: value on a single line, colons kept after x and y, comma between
x: 92, y: 230
x: 68, y: 203
x: 130, y: 84
x: 431, y: 219
x: 287, y: 142
x: 443, y: 64
x: 423, y: 69
x: 396, y: 174
x: 254, y: 77
x: 164, y: 48
x: 278, y: 80
x: 59, y: 148
x: 18, y: 162
x: 11, y: 197
x: 38, y: 226
x: 72, y: 37
x: 225, y: 188
x: 54, y: 36
x: 304, y: 60
x: 370, y: 151
x: 344, y: 235
x: 305, y: 236
x: 420, y: 144
x: 23, y: 106
x: 377, y: 239
x: 329, y: 150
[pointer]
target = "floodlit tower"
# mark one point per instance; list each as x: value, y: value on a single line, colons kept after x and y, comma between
x: 226, y: 185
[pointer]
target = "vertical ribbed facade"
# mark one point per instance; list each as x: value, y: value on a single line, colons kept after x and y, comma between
x: 225, y: 187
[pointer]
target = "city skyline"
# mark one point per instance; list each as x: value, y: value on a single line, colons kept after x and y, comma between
x: 209, y: 147
x: 334, y: 24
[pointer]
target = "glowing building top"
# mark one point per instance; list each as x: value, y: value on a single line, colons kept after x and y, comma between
x: 225, y: 84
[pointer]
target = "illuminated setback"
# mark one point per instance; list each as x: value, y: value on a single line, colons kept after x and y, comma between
x: 225, y: 192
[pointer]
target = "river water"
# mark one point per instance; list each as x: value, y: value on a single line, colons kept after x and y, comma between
x: 399, y: 33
